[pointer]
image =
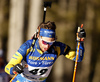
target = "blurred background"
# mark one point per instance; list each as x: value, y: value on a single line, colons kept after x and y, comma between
x: 20, y: 18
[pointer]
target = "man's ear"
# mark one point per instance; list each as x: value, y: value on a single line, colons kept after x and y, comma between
x: 38, y: 36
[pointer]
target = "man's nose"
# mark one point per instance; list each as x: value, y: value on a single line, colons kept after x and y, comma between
x: 47, y: 46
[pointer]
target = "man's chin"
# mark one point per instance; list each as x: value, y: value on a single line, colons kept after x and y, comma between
x: 45, y: 49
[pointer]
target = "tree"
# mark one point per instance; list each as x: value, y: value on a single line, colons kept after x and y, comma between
x: 34, y: 16
x: 88, y: 21
x: 16, y: 21
x: 4, y: 8
x: 1, y: 21
x: 63, y: 67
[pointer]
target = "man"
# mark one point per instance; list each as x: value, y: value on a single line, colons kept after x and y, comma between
x: 33, y: 61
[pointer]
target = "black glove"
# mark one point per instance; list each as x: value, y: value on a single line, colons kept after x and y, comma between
x: 18, y: 68
x: 82, y: 33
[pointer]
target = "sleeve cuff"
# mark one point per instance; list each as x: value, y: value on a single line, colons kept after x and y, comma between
x: 11, y: 71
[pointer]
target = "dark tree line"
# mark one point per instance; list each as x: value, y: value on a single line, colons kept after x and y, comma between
x: 20, y: 18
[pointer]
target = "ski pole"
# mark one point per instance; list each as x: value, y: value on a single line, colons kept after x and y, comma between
x: 14, y: 77
x: 46, y: 4
x: 75, y: 67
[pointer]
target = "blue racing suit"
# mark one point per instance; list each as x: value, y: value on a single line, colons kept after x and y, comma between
x: 39, y: 63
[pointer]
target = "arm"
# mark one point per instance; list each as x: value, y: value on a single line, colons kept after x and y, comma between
x: 66, y: 50
x: 18, y: 57
x: 63, y: 49
x: 72, y: 54
x: 80, y: 38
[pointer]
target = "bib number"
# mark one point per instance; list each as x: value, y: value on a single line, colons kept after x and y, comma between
x: 38, y: 71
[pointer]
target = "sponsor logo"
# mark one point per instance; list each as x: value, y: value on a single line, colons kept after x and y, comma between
x: 41, y: 58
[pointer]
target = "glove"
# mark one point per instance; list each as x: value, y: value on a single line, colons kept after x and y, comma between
x: 18, y: 68
x: 82, y: 33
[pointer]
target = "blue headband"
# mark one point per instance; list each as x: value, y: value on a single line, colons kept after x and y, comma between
x: 47, y: 33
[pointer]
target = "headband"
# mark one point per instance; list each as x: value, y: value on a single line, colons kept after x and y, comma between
x: 47, y: 33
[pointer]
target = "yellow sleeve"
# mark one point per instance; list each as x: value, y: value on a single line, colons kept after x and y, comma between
x: 70, y: 55
x: 16, y: 59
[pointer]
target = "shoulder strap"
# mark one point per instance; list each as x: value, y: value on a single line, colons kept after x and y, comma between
x: 31, y: 48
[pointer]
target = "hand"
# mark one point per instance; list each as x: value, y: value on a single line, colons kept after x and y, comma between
x: 18, y: 68
x: 82, y: 33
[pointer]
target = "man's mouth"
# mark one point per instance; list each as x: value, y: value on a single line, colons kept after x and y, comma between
x: 45, y: 49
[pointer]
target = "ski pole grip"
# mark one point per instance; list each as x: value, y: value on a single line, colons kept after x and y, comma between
x: 81, y: 25
x: 82, y: 39
x: 79, y: 28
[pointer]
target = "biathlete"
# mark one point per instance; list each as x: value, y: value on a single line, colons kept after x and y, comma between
x: 34, y: 59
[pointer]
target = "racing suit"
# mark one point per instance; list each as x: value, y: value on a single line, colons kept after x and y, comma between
x: 39, y: 63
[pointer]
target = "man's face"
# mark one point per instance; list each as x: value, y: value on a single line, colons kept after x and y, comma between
x: 45, y: 43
